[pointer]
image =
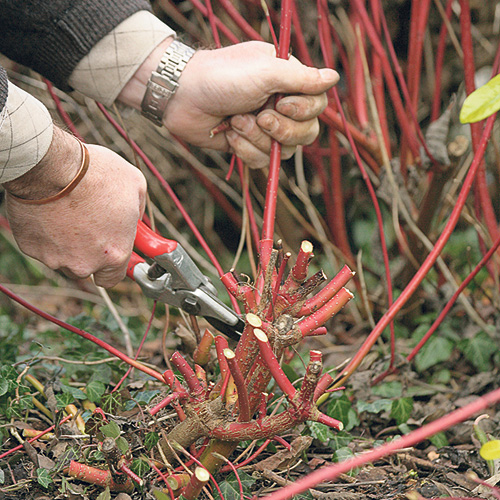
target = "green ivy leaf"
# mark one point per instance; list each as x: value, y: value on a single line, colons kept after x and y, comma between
x: 481, y: 103
x: 340, y: 408
x: 144, y: 397
x: 122, y: 444
x: 159, y: 495
x: 230, y: 488
x: 479, y: 350
x: 151, y: 440
x: 140, y: 467
x: 439, y: 440
x: 375, y: 406
x: 340, y: 440
x: 291, y: 374
x: 105, y: 495
x: 110, y: 430
x: 401, y: 410
x: 4, y: 386
x: 64, y: 400
x: 43, y: 478
x: 76, y: 393
x: 103, y: 374
x: 490, y: 450
x: 436, y: 350
x: 343, y: 454
x: 95, y: 390
x: 389, y: 389
x: 321, y: 432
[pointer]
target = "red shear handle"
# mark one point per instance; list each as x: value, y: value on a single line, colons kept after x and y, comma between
x: 134, y: 260
x: 151, y: 244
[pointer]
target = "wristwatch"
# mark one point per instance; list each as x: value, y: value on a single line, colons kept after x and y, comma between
x: 163, y: 82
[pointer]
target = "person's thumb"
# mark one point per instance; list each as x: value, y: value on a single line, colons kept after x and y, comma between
x: 289, y: 77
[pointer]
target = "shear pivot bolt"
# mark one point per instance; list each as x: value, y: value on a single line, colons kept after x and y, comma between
x: 190, y: 305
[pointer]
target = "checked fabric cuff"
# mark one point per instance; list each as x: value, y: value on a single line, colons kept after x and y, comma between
x: 113, y: 61
x: 25, y: 133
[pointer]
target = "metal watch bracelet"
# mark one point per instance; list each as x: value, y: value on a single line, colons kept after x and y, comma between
x: 164, y: 82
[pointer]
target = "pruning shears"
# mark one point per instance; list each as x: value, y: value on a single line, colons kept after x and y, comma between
x: 173, y: 278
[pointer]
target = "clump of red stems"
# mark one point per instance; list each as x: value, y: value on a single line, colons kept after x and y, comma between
x: 279, y: 314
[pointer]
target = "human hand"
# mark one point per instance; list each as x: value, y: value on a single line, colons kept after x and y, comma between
x: 92, y: 229
x: 236, y: 82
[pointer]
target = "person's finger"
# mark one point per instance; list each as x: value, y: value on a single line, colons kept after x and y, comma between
x: 246, y: 127
x: 110, y: 276
x: 292, y: 77
x: 251, y: 155
x: 302, y: 107
x: 286, y: 131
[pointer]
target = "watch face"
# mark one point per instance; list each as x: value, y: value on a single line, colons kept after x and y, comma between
x: 163, y: 82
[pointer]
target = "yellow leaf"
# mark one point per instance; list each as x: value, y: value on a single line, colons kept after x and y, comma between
x: 490, y: 450
x: 481, y: 103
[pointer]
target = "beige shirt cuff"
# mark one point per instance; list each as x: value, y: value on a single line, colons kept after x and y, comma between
x: 113, y: 61
x: 25, y: 133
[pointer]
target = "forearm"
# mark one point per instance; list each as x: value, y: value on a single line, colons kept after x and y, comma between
x: 53, y: 172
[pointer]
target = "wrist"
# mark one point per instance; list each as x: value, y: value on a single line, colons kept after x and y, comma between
x: 53, y: 172
x: 133, y: 92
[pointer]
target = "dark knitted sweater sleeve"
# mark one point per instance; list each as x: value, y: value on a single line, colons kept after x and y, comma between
x: 3, y: 88
x: 52, y: 36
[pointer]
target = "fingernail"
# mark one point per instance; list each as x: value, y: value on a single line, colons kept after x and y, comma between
x: 268, y: 122
x: 329, y: 75
x: 240, y: 122
x: 231, y: 135
x: 287, y: 108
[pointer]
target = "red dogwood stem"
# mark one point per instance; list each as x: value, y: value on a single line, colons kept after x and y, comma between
x: 329, y: 421
x: 241, y: 388
x: 333, y: 471
x: 273, y: 365
x: 323, y: 384
x: 34, y: 438
x: 274, y: 165
x: 313, y: 371
x: 239, y: 20
x: 99, y: 477
x: 326, y: 293
x: 201, y: 355
x: 299, y: 270
x: 195, y: 388
x: 322, y: 315
x: 392, y: 86
x: 220, y: 25
x: 243, y: 293
x: 173, y: 382
x: 262, y: 429
x: 220, y: 345
x: 132, y: 475
x: 453, y: 299
x: 162, y: 404
x: 317, y: 332
x: 198, y: 480
x: 429, y: 261
x: 482, y: 190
